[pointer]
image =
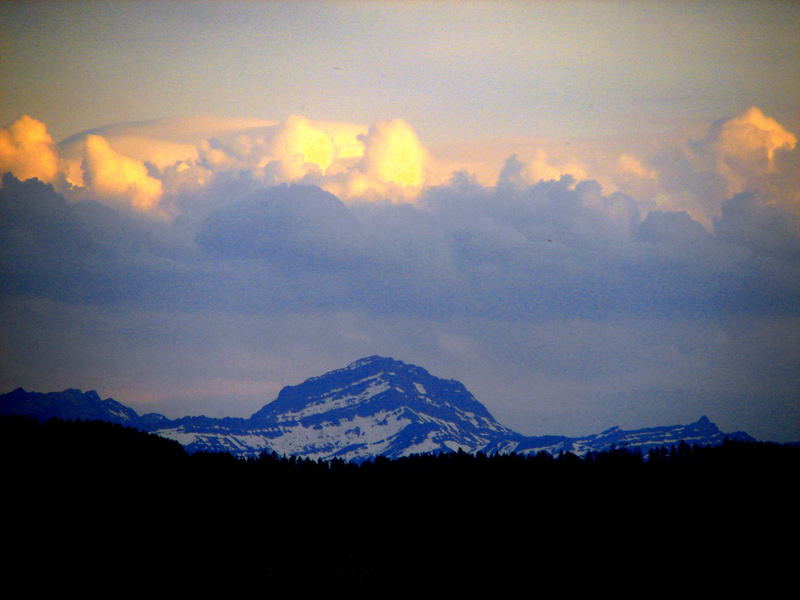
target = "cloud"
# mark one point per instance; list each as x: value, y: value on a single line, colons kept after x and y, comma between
x: 27, y: 150
x: 177, y: 144
x: 84, y: 252
x: 542, y: 169
x: 394, y: 155
x: 517, y: 173
x: 387, y: 162
x: 297, y: 227
x: 671, y: 227
x: 518, y: 249
x: 392, y: 166
x: 297, y: 138
x: 276, y: 153
x: 544, y: 241
x: 112, y: 177
x: 749, y: 152
x: 765, y: 229
x: 383, y: 162
x: 744, y: 148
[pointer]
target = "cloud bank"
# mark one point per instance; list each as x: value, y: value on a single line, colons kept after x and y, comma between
x: 149, y: 167
x: 263, y: 252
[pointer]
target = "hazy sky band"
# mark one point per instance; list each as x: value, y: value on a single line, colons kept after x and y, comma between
x: 455, y: 71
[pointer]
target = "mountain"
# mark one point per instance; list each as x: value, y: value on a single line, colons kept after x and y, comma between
x: 375, y: 406
x: 702, y: 432
x: 70, y: 404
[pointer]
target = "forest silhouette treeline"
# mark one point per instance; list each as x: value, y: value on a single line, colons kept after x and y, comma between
x: 365, y: 520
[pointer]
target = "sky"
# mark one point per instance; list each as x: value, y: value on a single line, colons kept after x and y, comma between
x: 587, y: 212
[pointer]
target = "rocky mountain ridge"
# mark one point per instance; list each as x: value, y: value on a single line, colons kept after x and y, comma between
x: 375, y: 406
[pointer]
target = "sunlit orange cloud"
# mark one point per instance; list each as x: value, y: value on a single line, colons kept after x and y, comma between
x: 299, y: 146
x: 346, y: 137
x: 629, y: 163
x: 109, y: 175
x: 540, y: 168
x: 302, y: 138
x: 749, y: 152
x: 27, y: 150
x: 161, y: 142
x: 144, y: 166
x: 353, y: 161
x: 393, y: 165
x: 176, y: 147
x: 745, y: 146
x: 394, y: 154
x: 542, y: 159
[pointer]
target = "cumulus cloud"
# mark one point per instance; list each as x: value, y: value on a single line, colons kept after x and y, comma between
x: 744, y: 148
x: 28, y: 151
x: 277, y: 153
x: 671, y: 227
x: 542, y: 169
x: 394, y: 155
x: 763, y: 228
x: 112, y: 177
x: 383, y: 162
x: 518, y: 173
x: 298, y: 227
x: 749, y: 152
x: 556, y: 249
x: 460, y: 230
x: 392, y: 165
x: 297, y: 143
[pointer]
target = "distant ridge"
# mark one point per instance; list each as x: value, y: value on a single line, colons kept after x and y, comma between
x: 375, y: 406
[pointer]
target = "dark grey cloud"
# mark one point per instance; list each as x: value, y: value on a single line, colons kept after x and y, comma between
x: 766, y: 230
x: 81, y: 252
x: 672, y: 227
x: 554, y: 249
x: 301, y: 227
x: 559, y: 305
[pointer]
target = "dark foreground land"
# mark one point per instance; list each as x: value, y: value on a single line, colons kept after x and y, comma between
x: 91, y: 501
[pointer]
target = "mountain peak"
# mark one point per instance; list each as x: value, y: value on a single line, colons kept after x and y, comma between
x: 367, y: 360
x: 378, y: 362
x: 383, y: 406
x: 369, y: 366
x: 359, y: 381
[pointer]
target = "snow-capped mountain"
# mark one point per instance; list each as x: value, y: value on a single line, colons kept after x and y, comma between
x: 375, y: 406
x: 702, y: 432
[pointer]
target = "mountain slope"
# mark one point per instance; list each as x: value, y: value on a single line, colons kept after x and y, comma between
x: 702, y: 432
x: 71, y: 404
x: 375, y: 406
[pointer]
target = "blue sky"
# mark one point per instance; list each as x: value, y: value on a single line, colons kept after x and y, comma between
x: 589, y: 213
